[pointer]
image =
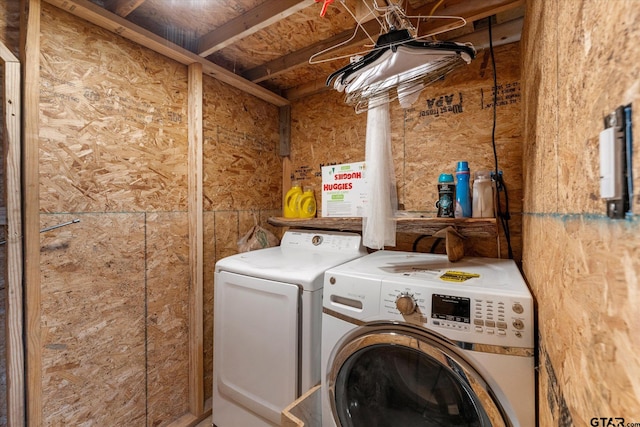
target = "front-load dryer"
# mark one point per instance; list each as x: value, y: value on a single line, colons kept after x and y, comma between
x: 267, y: 322
x: 411, y: 339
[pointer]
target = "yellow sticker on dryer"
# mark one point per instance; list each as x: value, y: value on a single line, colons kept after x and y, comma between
x: 458, y: 276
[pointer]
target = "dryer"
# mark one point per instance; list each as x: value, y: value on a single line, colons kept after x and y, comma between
x: 411, y: 339
x: 267, y: 322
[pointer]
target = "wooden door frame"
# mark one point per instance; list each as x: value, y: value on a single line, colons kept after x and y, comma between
x: 13, y: 286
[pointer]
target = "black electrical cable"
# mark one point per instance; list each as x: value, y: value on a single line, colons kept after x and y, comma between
x: 415, y: 242
x: 500, y: 185
x: 433, y: 245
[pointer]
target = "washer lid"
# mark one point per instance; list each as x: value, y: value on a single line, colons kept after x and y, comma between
x: 301, y: 259
x: 412, y: 268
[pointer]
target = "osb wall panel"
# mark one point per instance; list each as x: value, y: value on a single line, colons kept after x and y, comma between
x: 113, y: 152
x: 113, y: 122
x: 93, y: 320
x: 9, y: 24
x: 242, y: 168
x: 167, y: 245
x: 540, y: 114
x: 578, y: 66
x: 451, y: 121
x: 605, y: 40
x: 242, y: 184
x: 587, y: 289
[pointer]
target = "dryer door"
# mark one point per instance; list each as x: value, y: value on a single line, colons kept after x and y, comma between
x: 256, y: 346
x: 398, y: 375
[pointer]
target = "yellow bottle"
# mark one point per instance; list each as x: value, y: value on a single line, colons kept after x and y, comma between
x: 291, y: 200
x: 307, y: 204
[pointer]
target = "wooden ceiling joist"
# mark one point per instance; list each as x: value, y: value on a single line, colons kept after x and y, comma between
x: 466, y: 10
x: 123, y: 7
x: 254, y: 20
x: 301, y: 57
x: 96, y: 15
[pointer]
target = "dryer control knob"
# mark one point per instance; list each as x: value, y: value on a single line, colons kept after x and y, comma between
x: 406, y: 304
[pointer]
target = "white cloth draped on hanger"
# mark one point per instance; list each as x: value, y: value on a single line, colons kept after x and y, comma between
x: 378, y: 222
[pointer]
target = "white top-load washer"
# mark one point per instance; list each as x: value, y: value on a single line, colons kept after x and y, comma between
x: 267, y: 322
x: 411, y: 339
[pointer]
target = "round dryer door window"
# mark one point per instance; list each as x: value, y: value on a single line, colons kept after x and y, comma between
x: 398, y: 375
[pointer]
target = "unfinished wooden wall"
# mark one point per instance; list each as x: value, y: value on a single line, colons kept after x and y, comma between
x: 9, y: 36
x: 451, y: 121
x: 242, y: 182
x: 113, y: 154
x: 579, y: 62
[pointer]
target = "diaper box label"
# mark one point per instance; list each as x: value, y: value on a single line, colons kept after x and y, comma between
x: 344, y: 190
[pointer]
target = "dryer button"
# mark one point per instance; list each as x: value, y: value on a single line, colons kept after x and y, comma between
x: 479, y: 329
x: 502, y: 332
x: 518, y: 324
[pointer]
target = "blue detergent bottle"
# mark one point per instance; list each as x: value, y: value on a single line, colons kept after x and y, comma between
x: 463, y: 191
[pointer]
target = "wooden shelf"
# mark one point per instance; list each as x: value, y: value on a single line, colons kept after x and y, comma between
x: 466, y: 227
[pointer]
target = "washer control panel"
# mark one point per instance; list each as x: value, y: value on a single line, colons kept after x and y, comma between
x: 491, y: 319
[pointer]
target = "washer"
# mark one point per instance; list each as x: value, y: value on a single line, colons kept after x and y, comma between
x: 267, y: 322
x: 411, y: 339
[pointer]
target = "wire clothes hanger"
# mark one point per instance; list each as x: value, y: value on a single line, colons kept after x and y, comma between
x: 393, y: 18
x: 397, y: 61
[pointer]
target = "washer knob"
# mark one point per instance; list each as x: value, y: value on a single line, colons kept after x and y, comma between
x: 406, y: 304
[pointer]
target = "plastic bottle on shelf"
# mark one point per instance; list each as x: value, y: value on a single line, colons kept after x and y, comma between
x: 446, y: 196
x: 306, y: 204
x: 463, y: 193
x: 290, y: 208
x: 483, y: 195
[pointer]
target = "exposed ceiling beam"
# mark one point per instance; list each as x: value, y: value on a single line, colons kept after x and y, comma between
x: 467, y: 10
x: 306, y: 89
x: 86, y: 10
x: 123, y: 7
x: 301, y: 57
x: 254, y: 20
x: 504, y: 33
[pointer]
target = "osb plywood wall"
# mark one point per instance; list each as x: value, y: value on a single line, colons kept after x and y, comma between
x: 579, y: 63
x: 113, y: 154
x: 242, y: 182
x: 451, y: 121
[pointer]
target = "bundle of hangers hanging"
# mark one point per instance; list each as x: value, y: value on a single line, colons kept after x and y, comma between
x: 399, y: 65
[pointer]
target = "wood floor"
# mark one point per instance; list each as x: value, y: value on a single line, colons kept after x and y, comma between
x: 208, y: 422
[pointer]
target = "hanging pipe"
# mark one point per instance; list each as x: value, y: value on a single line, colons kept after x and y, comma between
x: 53, y: 227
